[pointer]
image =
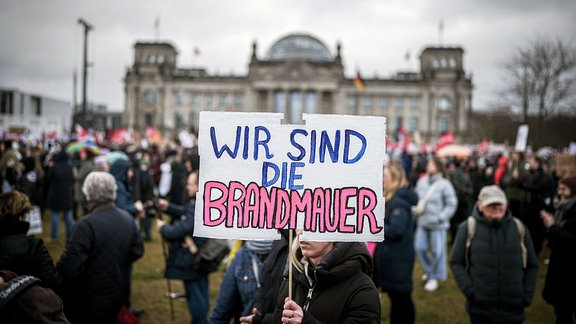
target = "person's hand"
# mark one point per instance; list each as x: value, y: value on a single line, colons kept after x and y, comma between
x: 139, y: 206
x: 163, y: 204
x: 248, y: 319
x: 547, y: 218
x: 159, y: 224
x: 292, y: 312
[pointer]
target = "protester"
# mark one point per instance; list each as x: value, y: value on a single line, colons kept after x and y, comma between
x: 432, y: 224
x: 394, y: 257
x: 98, y: 256
x: 86, y: 166
x: 560, y: 285
x: 9, y: 166
x: 22, y: 254
x: 31, y: 181
x: 144, y: 191
x: 331, y: 284
x: 60, y: 181
x: 274, y: 266
x: 241, y: 283
x: 511, y: 183
x: 488, y: 262
x: 534, y: 183
x: 462, y: 184
x: 180, y: 261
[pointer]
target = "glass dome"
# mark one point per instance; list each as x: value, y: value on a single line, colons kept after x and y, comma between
x: 299, y: 46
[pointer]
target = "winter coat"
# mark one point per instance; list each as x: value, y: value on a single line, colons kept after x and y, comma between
x: 124, y: 198
x: 84, y: 169
x: 30, y: 184
x: 495, y: 284
x: 95, y: 264
x: 60, y: 179
x: 394, y: 257
x: 341, y: 291
x: 27, y: 255
x: 180, y: 261
x: 440, y: 205
x: 560, y: 286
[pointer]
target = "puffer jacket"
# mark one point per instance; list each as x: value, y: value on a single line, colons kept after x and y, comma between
x: 495, y: 284
x: 440, y: 205
x: 341, y: 290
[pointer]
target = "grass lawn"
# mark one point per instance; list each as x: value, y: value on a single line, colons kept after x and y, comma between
x: 149, y: 288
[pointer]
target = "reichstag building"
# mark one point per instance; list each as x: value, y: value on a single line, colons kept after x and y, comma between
x: 299, y: 73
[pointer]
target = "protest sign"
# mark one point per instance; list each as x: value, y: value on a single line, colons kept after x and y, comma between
x: 259, y: 175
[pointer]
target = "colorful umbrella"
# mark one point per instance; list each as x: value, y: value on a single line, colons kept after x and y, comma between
x: 78, y: 146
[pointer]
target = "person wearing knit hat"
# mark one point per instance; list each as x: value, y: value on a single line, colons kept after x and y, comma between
x: 560, y: 285
x: 22, y: 254
x: 241, y: 282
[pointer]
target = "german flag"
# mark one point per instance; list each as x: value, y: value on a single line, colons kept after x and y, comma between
x: 359, y: 82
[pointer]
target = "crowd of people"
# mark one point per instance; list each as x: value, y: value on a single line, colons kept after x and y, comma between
x: 495, y: 213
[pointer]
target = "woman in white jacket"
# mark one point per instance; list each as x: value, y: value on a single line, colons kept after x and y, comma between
x: 432, y: 224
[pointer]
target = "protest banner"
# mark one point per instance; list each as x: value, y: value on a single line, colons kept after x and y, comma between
x: 259, y: 175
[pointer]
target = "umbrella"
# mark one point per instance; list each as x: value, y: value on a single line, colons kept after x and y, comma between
x: 454, y: 150
x: 78, y: 146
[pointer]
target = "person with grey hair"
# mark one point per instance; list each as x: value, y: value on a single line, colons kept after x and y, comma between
x: 98, y: 255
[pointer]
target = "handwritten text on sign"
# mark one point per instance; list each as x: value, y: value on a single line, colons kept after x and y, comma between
x: 258, y: 176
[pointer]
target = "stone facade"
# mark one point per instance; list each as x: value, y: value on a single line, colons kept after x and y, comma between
x: 299, y: 74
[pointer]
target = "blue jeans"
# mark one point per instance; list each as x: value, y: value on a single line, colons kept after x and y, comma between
x: 430, y: 247
x: 198, y: 298
x: 56, y: 221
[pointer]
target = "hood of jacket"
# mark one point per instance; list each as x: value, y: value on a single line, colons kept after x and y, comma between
x: 405, y: 196
x: 119, y: 170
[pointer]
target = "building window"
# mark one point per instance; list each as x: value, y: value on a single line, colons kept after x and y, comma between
x: 238, y: 100
x: 178, y: 98
x: 443, y: 62
x: 398, y: 103
x: 367, y: 103
x: 442, y: 125
x: 222, y: 101
x: 435, y: 62
x: 295, y: 106
x: 194, y: 100
x: 311, y: 103
x: 178, y: 122
x: 279, y: 101
x: 208, y: 100
x: 352, y: 102
x: 116, y: 122
x: 452, y: 62
x: 193, y: 118
x: 149, y: 119
x: 414, y: 103
x: 413, y: 124
x: 443, y: 103
x: 6, y: 105
x: 37, y: 106
x: 149, y: 97
x: 397, y: 123
x: 382, y: 103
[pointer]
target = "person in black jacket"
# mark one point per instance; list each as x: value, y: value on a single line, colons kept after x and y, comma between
x: 180, y: 261
x: 331, y: 284
x: 560, y: 287
x: 394, y: 257
x: 60, y: 180
x: 19, y: 253
x: 491, y: 269
x: 98, y: 255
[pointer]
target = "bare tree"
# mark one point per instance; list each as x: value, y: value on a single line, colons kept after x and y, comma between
x: 541, y: 80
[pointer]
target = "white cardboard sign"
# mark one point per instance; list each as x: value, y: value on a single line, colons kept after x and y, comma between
x: 258, y: 175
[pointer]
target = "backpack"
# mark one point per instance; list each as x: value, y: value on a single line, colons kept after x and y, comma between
x: 472, y: 230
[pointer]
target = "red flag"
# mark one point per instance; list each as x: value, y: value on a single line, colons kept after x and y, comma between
x: 483, y: 147
x: 359, y: 82
x: 153, y: 135
x: 81, y: 133
x: 445, y: 139
x: 403, y: 139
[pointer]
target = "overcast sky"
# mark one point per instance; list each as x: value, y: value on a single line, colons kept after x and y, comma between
x: 41, y: 40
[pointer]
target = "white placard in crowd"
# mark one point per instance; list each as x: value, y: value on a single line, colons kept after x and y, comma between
x: 34, y: 217
x: 258, y: 175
